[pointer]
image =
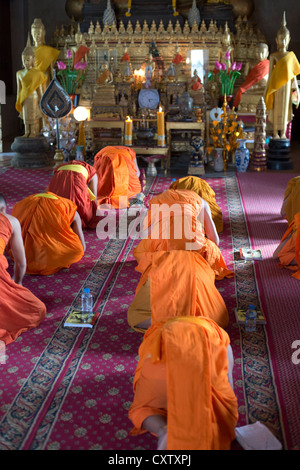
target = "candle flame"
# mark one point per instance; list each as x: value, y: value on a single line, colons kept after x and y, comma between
x: 128, y: 118
x: 160, y: 109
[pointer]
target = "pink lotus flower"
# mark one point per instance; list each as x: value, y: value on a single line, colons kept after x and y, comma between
x: 227, y: 55
x: 61, y: 65
x: 80, y: 65
x: 224, y: 67
x: 239, y: 66
x: 233, y: 67
x: 69, y: 54
x: 218, y: 65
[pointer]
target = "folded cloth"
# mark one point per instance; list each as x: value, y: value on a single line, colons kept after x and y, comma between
x: 257, y: 437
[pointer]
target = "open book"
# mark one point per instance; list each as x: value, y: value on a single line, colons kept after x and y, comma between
x: 249, y: 254
x: 240, y: 315
x: 81, y: 320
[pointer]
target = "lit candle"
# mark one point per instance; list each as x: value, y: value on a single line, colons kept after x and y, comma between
x: 128, y: 131
x: 161, y: 128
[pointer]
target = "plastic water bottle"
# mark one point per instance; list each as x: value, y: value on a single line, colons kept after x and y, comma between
x: 251, y: 316
x: 87, y: 301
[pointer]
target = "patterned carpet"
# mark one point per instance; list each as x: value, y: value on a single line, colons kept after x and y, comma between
x: 279, y: 291
x: 67, y: 388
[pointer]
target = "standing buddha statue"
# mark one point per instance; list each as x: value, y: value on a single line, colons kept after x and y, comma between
x: 284, y: 68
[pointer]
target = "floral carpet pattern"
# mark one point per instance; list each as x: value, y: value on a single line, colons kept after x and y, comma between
x: 71, y: 388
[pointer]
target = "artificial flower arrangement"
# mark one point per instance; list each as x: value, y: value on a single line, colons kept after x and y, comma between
x: 70, y: 75
x: 225, y: 75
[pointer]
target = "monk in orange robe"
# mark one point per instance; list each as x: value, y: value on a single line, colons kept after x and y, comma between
x: 183, y: 385
x: 118, y: 176
x: 20, y: 310
x: 288, y: 251
x: 189, y: 282
x: 77, y: 181
x: 180, y: 220
x: 203, y: 189
x: 291, y: 200
x: 51, y: 231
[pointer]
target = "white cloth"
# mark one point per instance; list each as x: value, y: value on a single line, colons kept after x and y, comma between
x: 257, y: 437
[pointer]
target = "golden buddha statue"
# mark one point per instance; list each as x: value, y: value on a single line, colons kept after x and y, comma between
x: 80, y: 51
x: 29, y: 93
x: 256, y: 78
x: 226, y: 46
x: 45, y: 56
x: 279, y: 90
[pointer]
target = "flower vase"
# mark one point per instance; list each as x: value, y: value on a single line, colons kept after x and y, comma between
x: 74, y: 98
x: 242, y: 156
x: 218, y: 159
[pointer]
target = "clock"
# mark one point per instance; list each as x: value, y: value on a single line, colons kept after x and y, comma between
x: 148, y: 98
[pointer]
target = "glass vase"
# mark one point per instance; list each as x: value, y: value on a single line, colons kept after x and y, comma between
x: 218, y: 159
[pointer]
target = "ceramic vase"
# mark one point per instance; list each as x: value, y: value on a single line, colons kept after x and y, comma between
x: 218, y: 159
x: 242, y: 156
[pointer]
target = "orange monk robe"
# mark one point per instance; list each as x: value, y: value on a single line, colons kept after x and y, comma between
x: 179, y: 230
x: 291, y: 249
x: 190, y: 283
x: 292, y: 195
x: 50, y: 243
x: 117, y: 175
x: 182, y: 374
x: 81, y: 54
x: 254, y: 76
x: 70, y: 180
x: 202, y: 188
x: 20, y: 310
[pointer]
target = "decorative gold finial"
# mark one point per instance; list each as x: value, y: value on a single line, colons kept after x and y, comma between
x: 283, y: 31
x: 28, y: 49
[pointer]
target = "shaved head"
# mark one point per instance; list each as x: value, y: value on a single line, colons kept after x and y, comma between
x: 2, y: 201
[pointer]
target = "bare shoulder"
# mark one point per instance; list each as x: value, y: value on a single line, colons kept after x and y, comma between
x: 14, y: 221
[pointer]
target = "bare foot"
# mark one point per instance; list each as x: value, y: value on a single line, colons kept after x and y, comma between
x: 162, y: 440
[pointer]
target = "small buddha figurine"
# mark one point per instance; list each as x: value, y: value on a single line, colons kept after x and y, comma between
x: 30, y: 82
x: 195, y: 82
x: 282, y: 81
x: 105, y: 77
x: 149, y: 70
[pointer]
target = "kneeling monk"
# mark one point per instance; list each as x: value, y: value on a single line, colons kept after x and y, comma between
x: 291, y: 200
x: 118, y: 176
x: 181, y: 220
x: 187, y: 279
x: 183, y: 386
x: 51, y: 231
x: 77, y: 181
x: 288, y: 251
x: 202, y: 188
x: 20, y: 310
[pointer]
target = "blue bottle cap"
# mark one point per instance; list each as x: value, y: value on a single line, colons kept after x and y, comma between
x: 86, y: 290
